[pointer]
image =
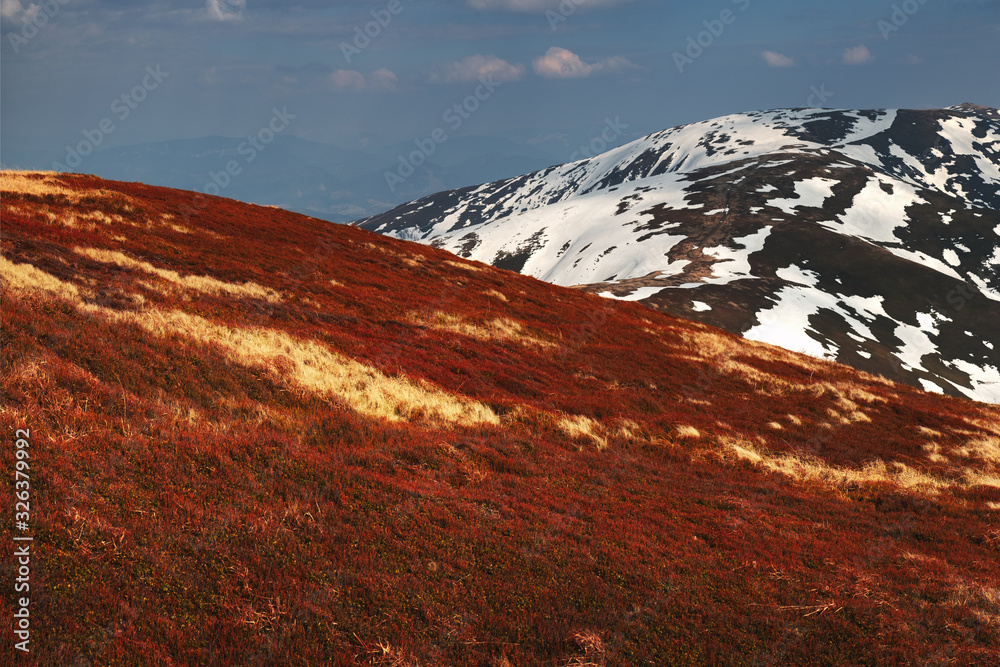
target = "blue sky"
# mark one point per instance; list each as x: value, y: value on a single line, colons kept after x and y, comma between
x: 552, y: 66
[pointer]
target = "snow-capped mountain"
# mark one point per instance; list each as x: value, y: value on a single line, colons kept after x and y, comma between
x: 868, y: 237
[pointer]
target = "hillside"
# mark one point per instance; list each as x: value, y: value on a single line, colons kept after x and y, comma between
x: 867, y: 237
x: 257, y: 438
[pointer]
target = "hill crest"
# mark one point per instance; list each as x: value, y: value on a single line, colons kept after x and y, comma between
x: 238, y: 418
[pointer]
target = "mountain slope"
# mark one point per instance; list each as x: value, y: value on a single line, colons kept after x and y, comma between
x: 868, y: 237
x: 249, y: 446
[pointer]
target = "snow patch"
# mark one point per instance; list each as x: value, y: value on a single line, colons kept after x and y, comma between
x: 786, y: 324
x: 874, y: 214
x: 811, y: 192
x: 930, y: 386
x: 638, y: 295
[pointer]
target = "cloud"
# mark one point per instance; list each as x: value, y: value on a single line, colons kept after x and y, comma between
x: 559, y: 63
x: 777, y: 60
x: 857, y: 55
x: 383, y: 79
x: 538, y: 6
x: 473, y: 67
x: 225, y: 10
x: 349, y: 79
x: 13, y: 10
x: 10, y: 9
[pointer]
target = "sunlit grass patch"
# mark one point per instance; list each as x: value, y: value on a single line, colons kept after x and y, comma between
x: 808, y: 468
x: 986, y: 449
x: 497, y: 329
x: 465, y: 266
x: 312, y: 367
x: 205, y: 284
x: 496, y: 295
x: 49, y: 183
x: 579, y: 426
x: 27, y: 277
x: 690, y: 432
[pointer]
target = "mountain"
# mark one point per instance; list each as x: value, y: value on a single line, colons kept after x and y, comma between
x: 867, y: 237
x: 249, y: 437
x: 313, y: 178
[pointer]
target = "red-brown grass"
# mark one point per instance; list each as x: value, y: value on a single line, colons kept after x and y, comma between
x: 549, y: 478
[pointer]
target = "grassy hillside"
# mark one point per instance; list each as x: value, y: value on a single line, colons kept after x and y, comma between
x: 257, y: 438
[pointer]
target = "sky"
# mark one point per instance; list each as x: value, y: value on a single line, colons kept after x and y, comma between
x: 370, y: 73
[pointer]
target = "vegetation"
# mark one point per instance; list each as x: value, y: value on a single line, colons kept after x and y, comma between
x: 258, y: 438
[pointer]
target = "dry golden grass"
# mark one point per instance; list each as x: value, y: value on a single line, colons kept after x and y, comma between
x: 44, y: 183
x: 26, y: 277
x: 306, y: 364
x: 807, y: 468
x: 34, y: 183
x: 580, y: 426
x: 934, y: 454
x: 986, y: 449
x: 463, y: 265
x: 204, y: 284
x: 629, y: 430
x: 982, y: 601
x: 496, y: 295
x: 499, y: 329
x: 688, y: 432
x: 594, y: 654
x: 312, y: 367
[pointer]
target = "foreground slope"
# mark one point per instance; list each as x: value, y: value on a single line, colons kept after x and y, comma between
x: 868, y: 237
x: 257, y: 439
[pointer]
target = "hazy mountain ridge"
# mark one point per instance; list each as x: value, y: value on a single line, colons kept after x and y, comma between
x: 870, y: 237
x: 310, y: 177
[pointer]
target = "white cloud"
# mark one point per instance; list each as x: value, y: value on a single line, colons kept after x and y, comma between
x: 225, y: 10
x: 777, y: 60
x: 857, y: 55
x: 13, y: 10
x: 383, y: 79
x: 349, y: 79
x: 559, y: 63
x: 473, y: 67
x: 10, y: 9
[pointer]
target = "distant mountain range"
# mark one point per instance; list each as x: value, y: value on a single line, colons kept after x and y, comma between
x: 318, y: 179
x: 867, y: 237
